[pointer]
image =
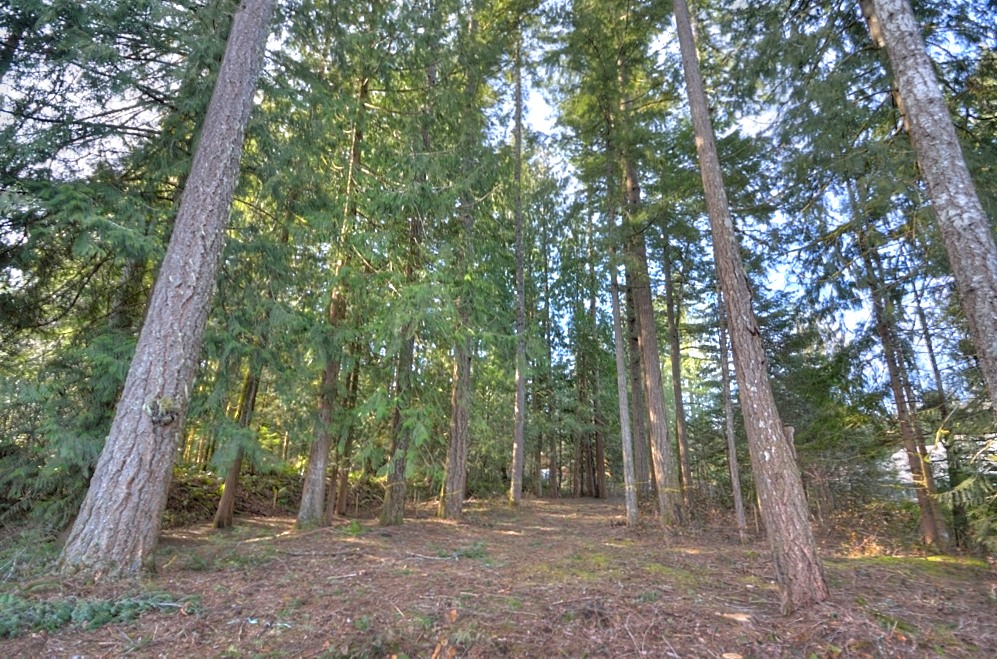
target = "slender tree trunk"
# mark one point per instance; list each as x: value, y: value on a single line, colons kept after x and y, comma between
x: 247, y: 403
x: 666, y: 478
x: 455, y: 474
x: 685, y: 473
x: 777, y: 477
x: 960, y: 523
x: 117, y: 529
x: 311, y: 510
x: 519, y: 411
x: 968, y: 236
x: 641, y: 442
x: 735, y: 473
x: 629, y: 480
x: 336, y: 502
x: 931, y: 529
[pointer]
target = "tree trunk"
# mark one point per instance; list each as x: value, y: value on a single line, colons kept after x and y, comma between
x: 641, y: 443
x: 117, y: 529
x: 247, y: 403
x: 969, y: 239
x: 777, y: 477
x: 519, y: 411
x: 455, y: 475
x: 685, y: 473
x: 666, y: 478
x: 345, y: 454
x: 735, y: 473
x: 960, y: 523
x: 931, y: 529
x: 629, y: 481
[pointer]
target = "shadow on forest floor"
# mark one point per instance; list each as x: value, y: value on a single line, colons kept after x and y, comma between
x: 552, y: 578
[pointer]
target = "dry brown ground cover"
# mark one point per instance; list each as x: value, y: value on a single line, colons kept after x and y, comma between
x: 553, y: 578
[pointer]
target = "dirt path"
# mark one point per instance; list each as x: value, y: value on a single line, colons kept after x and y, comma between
x: 551, y: 579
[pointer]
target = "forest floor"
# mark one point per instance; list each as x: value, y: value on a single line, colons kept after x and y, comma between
x: 552, y: 578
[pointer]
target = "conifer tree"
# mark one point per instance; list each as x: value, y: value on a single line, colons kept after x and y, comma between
x: 117, y: 530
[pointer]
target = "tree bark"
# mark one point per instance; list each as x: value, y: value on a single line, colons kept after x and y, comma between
x: 629, y: 480
x: 641, y: 442
x: 666, y: 478
x: 675, y: 353
x: 117, y: 529
x: 968, y: 237
x: 777, y: 477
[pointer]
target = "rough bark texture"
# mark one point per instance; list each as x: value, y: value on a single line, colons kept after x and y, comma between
x: 968, y: 237
x: 642, y: 445
x: 665, y: 476
x: 117, y: 529
x: 675, y: 354
x: 247, y: 403
x: 777, y: 478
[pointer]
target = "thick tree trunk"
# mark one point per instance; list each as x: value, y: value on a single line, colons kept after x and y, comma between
x: 247, y: 403
x: 675, y: 354
x: 117, y: 529
x: 455, y: 475
x: 969, y: 239
x: 777, y: 477
x: 735, y: 472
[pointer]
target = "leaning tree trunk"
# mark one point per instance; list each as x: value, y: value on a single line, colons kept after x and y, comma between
x: 117, y: 529
x: 777, y: 477
x: 932, y: 530
x: 969, y: 239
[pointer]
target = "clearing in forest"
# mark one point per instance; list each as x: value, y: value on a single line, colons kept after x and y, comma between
x: 552, y: 578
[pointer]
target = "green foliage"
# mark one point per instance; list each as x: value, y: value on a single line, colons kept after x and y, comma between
x: 19, y: 614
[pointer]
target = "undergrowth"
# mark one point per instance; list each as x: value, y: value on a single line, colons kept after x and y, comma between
x: 19, y: 614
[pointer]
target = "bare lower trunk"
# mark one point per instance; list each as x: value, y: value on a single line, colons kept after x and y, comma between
x: 666, y: 478
x: 117, y: 529
x: 777, y: 477
x: 675, y: 353
x: 629, y: 484
x: 455, y: 476
x: 931, y: 528
x: 641, y: 443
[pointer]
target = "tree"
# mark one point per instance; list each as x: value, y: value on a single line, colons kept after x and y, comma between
x: 519, y: 409
x: 969, y: 240
x: 117, y: 529
x: 777, y: 477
